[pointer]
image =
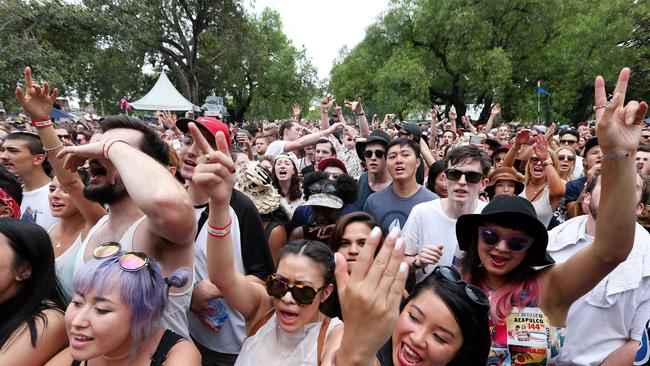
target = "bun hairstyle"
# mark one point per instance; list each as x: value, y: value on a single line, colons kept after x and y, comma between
x: 145, y: 291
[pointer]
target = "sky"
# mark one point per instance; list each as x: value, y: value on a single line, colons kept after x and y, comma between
x: 324, y: 26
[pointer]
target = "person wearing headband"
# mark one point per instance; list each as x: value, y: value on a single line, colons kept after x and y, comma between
x: 31, y: 302
x: 116, y: 311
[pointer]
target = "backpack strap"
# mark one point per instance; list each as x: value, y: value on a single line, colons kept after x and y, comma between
x: 258, y: 324
x: 204, y: 217
x: 321, y: 337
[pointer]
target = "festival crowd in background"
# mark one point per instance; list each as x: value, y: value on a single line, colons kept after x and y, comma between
x: 327, y: 242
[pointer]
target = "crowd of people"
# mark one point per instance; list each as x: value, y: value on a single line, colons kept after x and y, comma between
x: 328, y: 242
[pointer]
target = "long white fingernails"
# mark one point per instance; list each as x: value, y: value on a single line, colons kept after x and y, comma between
x: 398, y: 243
x: 394, y: 232
x: 403, y: 267
x: 376, y: 231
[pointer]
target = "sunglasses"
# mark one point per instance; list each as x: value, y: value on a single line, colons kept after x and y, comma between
x: 471, y: 177
x: 318, y: 187
x: 566, y: 157
x: 492, y: 237
x: 473, y: 293
x: 568, y: 141
x: 302, y: 294
x: 534, y: 160
x: 64, y: 137
x: 378, y: 153
x: 129, y: 261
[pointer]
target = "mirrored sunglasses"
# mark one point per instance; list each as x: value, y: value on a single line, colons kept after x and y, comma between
x: 129, y: 261
x: 473, y: 293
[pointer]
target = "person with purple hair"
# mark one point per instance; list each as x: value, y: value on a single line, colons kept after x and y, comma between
x: 116, y: 310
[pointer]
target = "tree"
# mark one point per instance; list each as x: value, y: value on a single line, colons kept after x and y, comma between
x: 480, y: 52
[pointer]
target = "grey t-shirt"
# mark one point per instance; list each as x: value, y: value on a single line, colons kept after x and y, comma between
x: 391, y: 210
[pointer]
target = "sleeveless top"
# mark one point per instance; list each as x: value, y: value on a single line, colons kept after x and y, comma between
x: 272, y: 346
x: 178, y: 303
x: 65, y: 266
x: 168, y: 340
x: 526, y: 338
x: 542, y: 206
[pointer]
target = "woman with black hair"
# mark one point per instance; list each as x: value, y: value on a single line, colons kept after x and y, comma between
x: 283, y: 320
x: 444, y: 321
x: 31, y: 304
x: 437, y: 180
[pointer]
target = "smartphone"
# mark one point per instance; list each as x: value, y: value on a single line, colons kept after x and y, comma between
x: 475, y: 140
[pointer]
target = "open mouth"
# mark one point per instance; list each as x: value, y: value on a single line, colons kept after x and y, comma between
x: 56, y: 206
x: 399, y: 170
x: 282, y: 173
x: 461, y: 192
x: 189, y: 162
x: 538, y: 169
x: 407, y: 355
x: 96, y: 170
x: 287, y: 317
x: 498, y: 261
x: 78, y: 341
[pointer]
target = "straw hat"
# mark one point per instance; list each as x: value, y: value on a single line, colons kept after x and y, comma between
x: 255, y: 182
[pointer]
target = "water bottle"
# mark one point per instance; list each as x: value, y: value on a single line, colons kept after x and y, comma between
x: 220, y: 314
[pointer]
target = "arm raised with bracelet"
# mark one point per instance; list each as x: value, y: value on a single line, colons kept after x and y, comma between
x: 215, y: 176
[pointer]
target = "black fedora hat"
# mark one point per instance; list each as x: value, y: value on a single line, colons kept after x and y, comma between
x: 376, y: 136
x: 517, y: 212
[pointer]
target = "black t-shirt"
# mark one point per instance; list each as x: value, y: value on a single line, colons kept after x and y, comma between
x: 385, y: 353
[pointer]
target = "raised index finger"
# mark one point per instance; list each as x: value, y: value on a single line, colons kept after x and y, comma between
x: 600, y: 96
x: 200, y: 141
x: 28, y: 79
x: 366, y: 256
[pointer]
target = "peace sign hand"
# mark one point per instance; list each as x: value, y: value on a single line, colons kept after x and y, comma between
x: 36, y: 101
x: 618, y: 126
x: 215, y: 173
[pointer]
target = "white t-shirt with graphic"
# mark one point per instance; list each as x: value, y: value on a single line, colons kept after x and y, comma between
x: 35, y: 207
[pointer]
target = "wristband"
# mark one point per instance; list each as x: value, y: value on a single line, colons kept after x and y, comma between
x: 41, y: 123
x: 219, y: 232
x: 107, y: 145
x: 49, y: 149
x: 417, y: 266
x: 361, y: 114
x: 618, y: 155
x: 548, y: 162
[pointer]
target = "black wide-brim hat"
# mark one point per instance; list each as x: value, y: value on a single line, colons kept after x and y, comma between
x: 513, y: 212
x: 376, y: 136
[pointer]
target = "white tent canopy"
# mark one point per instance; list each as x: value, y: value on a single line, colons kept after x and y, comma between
x: 164, y: 96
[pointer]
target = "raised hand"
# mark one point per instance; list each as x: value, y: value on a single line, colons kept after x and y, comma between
x: 169, y: 119
x: 337, y: 110
x: 370, y: 295
x: 354, y: 105
x: 297, y: 110
x: 76, y: 156
x: 550, y: 131
x: 522, y: 137
x: 541, y: 147
x: 389, y: 118
x: 36, y: 101
x: 496, y: 109
x: 326, y: 103
x: 215, y: 173
x: 434, y: 113
x: 452, y: 114
x: 618, y: 125
x: 465, y: 120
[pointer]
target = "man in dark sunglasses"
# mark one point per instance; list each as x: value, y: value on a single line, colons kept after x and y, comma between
x: 376, y: 178
x: 430, y: 231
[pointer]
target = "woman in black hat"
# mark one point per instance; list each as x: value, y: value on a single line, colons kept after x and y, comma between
x: 506, y: 245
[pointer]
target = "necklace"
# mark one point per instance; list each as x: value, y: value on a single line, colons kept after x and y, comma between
x: 116, y: 358
x: 58, y: 244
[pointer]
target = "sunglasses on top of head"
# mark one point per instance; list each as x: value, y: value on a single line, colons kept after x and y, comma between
x: 492, y: 237
x: 129, y: 261
x: 302, y: 294
x: 318, y: 187
x: 471, y: 177
x: 473, y: 293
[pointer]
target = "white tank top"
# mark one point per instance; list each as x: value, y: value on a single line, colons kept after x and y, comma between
x: 178, y: 303
x: 272, y: 346
x: 64, y: 265
x: 542, y: 206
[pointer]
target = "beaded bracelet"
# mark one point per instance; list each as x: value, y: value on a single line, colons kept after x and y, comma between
x: 50, y: 149
x: 219, y: 232
x: 41, y: 123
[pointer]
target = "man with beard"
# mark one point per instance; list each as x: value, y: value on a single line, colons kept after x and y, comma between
x: 430, y: 231
x: 220, y: 344
x: 620, y: 302
x: 149, y: 211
